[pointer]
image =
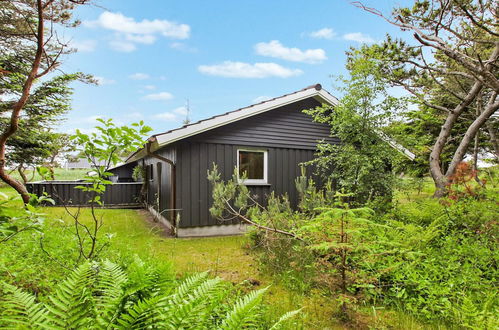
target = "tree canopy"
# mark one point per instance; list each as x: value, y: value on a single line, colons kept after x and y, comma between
x: 450, y: 66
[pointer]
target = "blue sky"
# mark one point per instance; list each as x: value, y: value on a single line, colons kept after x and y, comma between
x: 151, y: 56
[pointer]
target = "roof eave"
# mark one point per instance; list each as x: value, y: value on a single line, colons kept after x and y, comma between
x: 142, y: 152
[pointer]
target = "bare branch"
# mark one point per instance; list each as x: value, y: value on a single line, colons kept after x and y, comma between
x: 247, y: 220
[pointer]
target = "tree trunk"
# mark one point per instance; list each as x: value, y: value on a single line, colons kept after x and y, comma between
x: 493, y: 139
x: 17, y: 185
x: 20, y: 169
x: 476, y: 145
x: 51, y: 171
x: 439, y: 178
x: 18, y: 106
x: 475, y: 159
x: 472, y: 130
x: 33, y: 173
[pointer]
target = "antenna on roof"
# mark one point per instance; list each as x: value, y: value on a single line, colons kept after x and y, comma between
x: 187, y: 112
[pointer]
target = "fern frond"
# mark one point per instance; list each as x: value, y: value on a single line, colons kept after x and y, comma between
x: 195, y: 307
x: 109, y: 292
x: 240, y: 315
x: 280, y: 323
x: 20, y: 309
x: 72, y: 305
x: 184, y: 307
x: 145, y: 280
x: 187, y: 285
x: 144, y: 314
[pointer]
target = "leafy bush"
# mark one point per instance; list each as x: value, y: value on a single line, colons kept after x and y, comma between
x: 102, y: 295
x: 434, y: 258
x: 15, y: 220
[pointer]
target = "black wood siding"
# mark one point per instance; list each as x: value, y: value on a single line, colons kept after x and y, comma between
x: 193, y: 189
x: 66, y: 193
x: 159, y: 189
x: 285, y: 127
x: 289, y: 136
x: 124, y: 172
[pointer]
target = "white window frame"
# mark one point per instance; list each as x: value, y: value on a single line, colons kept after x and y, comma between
x: 265, y: 167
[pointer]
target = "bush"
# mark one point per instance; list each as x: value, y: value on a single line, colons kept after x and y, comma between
x: 452, y: 276
x: 436, y: 259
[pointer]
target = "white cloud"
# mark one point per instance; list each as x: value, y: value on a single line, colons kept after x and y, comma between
x: 162, y: 96
x: 275, y: 49
x: 261, y: 99
x: 104, y: 81
x: 139, y: 76
x: 84, y: 45
x: 141, y: 38
x: 166, y: 116
x: 231, y: 69
x: 180, y: 111
x: 122, y: 46
x: 150, y: 87
x: 183, y: 47
x: 325, y: 33
x: 121, y: 23
x: 130, y: 32
x: 359, y: 37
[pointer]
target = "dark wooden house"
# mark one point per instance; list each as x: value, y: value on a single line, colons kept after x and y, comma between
x: 268, y: 141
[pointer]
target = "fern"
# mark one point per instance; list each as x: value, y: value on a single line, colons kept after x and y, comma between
x: 151, y: 311
x: 72, y: 305
x: 187, y: 286
x: 100, y: 296
x: 280, y: 323
x: 143, y: 314
x: 241, y: 314
x: 20, y: 308
x: 109, y: 289
x: 145, y: 280
x: 195, y: 306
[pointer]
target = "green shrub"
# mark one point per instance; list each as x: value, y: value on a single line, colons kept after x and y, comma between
x: 453, y: 275
x: 436, y: 259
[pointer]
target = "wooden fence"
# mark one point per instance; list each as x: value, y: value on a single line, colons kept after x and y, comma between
x: 117, y: 195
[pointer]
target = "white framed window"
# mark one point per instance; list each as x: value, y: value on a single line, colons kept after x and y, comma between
x: 253, y: 165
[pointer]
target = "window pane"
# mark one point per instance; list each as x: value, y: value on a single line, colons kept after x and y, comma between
x: 251, y: 163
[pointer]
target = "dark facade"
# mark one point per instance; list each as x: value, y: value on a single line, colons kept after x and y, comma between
x: 287, y: 135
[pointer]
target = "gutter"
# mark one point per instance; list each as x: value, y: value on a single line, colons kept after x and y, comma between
x: 173, y: 172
